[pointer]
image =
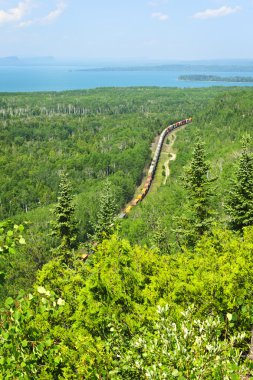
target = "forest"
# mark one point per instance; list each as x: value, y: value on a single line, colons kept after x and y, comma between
x: 165, y: 293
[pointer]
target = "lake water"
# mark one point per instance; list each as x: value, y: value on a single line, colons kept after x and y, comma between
x: 60, y: 78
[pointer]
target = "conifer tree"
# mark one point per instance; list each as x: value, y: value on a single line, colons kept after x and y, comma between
x: 64, y: 227
x: 198, y: 214
x: 105, y: 223
x: 159, y: 235
x: 240, y: 198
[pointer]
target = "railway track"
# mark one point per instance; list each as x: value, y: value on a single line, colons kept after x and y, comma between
x: 153, y: 166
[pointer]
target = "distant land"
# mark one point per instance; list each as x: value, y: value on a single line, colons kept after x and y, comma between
x: 131, y: 64
x: 176, y: 67
x: 9, y: 61
x: 16, y: 61
x: 215, y: 78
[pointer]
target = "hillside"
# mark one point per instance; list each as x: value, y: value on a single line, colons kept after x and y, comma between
x: 221, y: 125
x: 124, y: 299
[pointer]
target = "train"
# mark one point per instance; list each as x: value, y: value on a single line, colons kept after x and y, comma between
x: 153, y: 166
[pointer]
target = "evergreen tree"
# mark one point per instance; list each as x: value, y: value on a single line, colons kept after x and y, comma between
x: 64, y: 227
x: 159, y: 235
x: 240, y: 198
x: 105, y: 223
x: 197, y: 218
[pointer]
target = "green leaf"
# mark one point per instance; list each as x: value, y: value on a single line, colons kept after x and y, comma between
x: 229, y: 317
x: 41, y: 289
x: 60, y: 302
x: 48, y: 343
x: 5, y: 335
x: 22, y: 241
x: 9, y: 301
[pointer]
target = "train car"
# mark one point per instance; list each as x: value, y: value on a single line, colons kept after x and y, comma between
x: 134, y: 202
x: 148, y: 182
x: 151, y: 170
x: 125, y: 212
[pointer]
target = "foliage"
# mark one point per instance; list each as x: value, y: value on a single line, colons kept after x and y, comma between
x: 217, y: 278
x: 198, y: 217
x: 98, y: 319
x: 106, y: 219
x: 27, y: 347
x: 64, y: 227
x: 159, y: 237
x: 110, y: 137
x: 220, y: 123
x: 10, y: 238
x: 183, y: 348
x: 64, y: 323
x: 240, y: 197
x: 21, y: 267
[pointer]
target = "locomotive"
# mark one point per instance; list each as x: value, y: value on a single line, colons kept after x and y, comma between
x: 153, y: 165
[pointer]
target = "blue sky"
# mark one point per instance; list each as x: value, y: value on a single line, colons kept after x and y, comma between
x: 127, y: 29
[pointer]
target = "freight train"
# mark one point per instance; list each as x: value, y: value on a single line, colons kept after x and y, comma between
x: 153, y: 165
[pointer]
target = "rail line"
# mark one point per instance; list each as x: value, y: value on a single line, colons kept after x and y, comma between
x: 153, y: 166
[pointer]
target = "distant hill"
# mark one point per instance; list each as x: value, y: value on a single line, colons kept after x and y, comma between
x: 196, y: 67
x: 16, y: 61
x: 13, y: 60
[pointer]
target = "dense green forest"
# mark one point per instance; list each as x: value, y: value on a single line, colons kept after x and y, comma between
x: 163, y: 294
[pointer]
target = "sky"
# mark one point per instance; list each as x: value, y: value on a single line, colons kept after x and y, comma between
x: 127, y: 29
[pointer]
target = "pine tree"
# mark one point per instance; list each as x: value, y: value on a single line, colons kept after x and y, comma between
x: 159, y: 236
x: 240, y: 198
x: 105, y: 223
x: 64, y: 227
x: 198, y: 217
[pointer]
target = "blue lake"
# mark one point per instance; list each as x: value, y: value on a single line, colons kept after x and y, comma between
x: 60, y: 78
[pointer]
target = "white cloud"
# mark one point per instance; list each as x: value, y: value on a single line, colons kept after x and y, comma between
x: 26, y: 23
x: 219, y: 12
x: 18, y: 15
x: 49, y: 18
x: 53, y: 15
x: 160, y: 16
x: 15, y: 14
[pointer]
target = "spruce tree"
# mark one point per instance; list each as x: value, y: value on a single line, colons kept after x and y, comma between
x: 159, y: 236
x: 64, y: 226
x: 106, y: 219
x: 197, y: 216
x: 240, y: 198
